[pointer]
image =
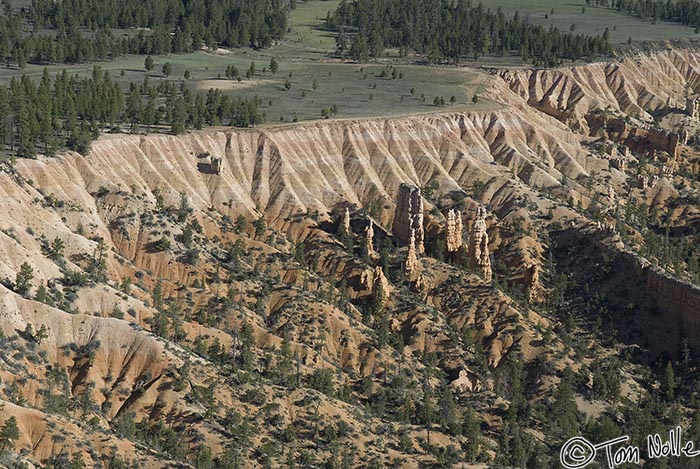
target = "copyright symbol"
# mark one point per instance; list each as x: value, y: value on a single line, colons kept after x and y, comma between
x: 577, y: 453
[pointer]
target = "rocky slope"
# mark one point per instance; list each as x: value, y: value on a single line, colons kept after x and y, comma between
x: 641, y: 86
x: 234, y: 304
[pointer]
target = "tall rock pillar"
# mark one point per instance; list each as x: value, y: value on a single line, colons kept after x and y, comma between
x: 479, y: 256
x: 409, y: 217
x: 410, y: 266
x: 453, y: 235
x: 369, y: 240
x: 346, y: 220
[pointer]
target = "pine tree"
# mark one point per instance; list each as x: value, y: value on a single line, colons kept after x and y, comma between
x: 8, y: 433
x: 133, y: 106
x: 285, y: 363
x: 148, y: 63
x: 97, y: 268
x: 23, y: 279
x: 564, y: 410
x: 274, y: 66
x: 472, y: 432
x: 179, y: 115
x: 25, y: 131
x: 77, y: 461
x: 427, y: 410
x: 378, y: 298
x: 42, y: 295
x: 668, y: 384
x: 149, y: 113
x: 359, y: 50
x: 449, y: 416
x: 41, y: 334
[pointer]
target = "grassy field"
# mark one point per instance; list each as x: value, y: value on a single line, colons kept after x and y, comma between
x: 306, y: 26
x: 593, y: 21
x: 356, y: 90
x: 305, y: 56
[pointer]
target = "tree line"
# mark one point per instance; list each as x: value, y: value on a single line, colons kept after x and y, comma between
x: 70, y: 111
x: 448, y: 30
x: 58, y: 28
x: 686, y: 12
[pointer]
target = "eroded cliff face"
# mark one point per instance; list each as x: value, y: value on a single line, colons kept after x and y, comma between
x: 677, y: 300
x: 638, y: 86
x: 287, y: 170
x: 647, y: 103
x: 281, y: 173
x: 639, y: 139
x: 659, y: 311
x: 254, y: 242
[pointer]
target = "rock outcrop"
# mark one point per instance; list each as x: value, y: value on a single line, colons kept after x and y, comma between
x: 692, y: 107
x: 640, y: 139
x: 676, y: 300
x: 346, y: 220
x: 374, y: 281
x: 618, y: 155
x: 369, y: 240
x: 479, y: 256
x: 381, y: 284
x: 454, y: 231
x: 465, y: 382
x: 216, y: 165
x: 532, y: 282
x: 408, y: 218
x: 410, y: 265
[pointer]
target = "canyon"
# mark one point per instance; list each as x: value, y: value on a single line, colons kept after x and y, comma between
x: 435, y: 229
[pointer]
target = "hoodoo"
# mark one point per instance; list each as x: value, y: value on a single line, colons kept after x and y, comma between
x: 381, y: 284
x: 479, y: 256
x: 692, y: 107
x: 369, y: 240
x: 454, y: 231
x: 408, y: 218
x: 411, y: 262
x: 346, y: 220
x: 216, y: 166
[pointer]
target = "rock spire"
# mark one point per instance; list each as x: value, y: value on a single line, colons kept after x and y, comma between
x: 410, y: 266
x: 369, y: 239
x: 454, y: 231
x: 479, y: 256
x: 346, y: 220
x: 408, y: 218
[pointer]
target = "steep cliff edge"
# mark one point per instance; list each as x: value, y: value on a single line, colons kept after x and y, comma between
x: 284, y: 172
x: 288, y: 170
